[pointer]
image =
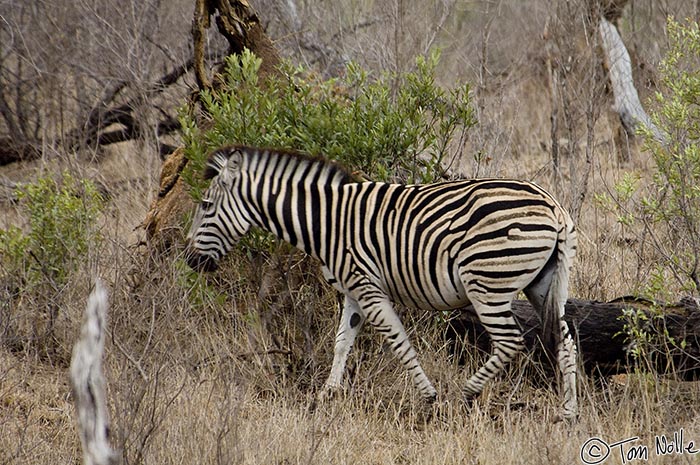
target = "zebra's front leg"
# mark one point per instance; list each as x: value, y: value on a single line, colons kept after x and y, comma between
x: 381, y: 315
x: 506, y: 340
x: 351, y: 320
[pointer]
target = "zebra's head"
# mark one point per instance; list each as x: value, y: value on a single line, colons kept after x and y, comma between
x: 219, y: 220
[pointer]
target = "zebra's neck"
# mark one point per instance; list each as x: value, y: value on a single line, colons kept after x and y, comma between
x: 293, y: 196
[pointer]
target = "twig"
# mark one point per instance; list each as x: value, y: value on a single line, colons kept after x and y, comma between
x: 131, y: 359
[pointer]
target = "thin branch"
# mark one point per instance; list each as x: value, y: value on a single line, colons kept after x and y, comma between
x: 133, y: 361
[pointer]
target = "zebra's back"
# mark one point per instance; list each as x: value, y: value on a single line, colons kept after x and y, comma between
x: 428, y: 245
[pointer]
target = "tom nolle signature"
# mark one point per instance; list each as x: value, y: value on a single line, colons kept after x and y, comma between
x: 596, y: 450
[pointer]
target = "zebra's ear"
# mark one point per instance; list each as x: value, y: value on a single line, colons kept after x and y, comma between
x: 217, y: 161
x: 235, y: 157
x: 224, y: 162
x: 231, y: 166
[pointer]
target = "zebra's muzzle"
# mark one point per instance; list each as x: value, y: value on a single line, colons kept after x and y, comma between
x: 200, y: 262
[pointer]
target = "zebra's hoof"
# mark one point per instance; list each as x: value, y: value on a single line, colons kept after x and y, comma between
x: 469, y: 400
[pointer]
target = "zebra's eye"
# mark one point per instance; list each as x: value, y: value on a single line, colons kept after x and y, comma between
x: 206, y: 204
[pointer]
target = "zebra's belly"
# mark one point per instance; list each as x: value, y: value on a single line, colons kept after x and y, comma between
x: 447, y: 303
x: 443, y: 292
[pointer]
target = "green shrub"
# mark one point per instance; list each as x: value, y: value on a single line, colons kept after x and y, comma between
x: 648, y: 339
x: 665, y: 211
x: 673, y: 203
x: 38, y: 259
x: 399, y: 128
x: 61, y: 228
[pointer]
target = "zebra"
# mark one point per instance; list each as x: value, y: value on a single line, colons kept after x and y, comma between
x: 432, y: 246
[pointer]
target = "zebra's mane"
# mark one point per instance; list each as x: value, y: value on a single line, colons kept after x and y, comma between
x: 217, y: 160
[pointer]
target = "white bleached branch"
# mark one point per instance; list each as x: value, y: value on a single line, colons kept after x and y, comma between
x: 88, y: 384
x: 627, y: 103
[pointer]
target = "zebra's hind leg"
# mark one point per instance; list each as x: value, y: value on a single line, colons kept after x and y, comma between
x: 506, y: 340
x: 351, y: 320
x: 566, y: 357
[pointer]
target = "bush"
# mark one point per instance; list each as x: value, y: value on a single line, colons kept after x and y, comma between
x: 61, y: 217
x: 665, y: 211
x: 398, y: 128
x: 61, y: 221
x: 674, y: 201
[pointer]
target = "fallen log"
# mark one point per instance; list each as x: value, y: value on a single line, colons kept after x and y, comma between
x: 602, y: 328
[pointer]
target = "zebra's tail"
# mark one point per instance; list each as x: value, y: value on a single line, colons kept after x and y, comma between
x: 560, y: 339
x: 558, y: 291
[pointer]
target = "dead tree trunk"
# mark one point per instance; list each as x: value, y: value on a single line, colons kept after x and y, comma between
x: 627, y: 104
x: 600, y: 329
x: 239, y: 24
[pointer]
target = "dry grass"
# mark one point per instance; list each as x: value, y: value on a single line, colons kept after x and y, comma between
x: 224, y: 368
x: 238, y: 411
x: 207, y: 384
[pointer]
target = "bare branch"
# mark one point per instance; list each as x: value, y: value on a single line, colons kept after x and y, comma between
x: 88, y: 384
x: 101, y: 116
x: 200, y: 24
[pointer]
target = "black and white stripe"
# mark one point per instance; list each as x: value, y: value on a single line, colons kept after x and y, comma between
x: 434, y: 247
